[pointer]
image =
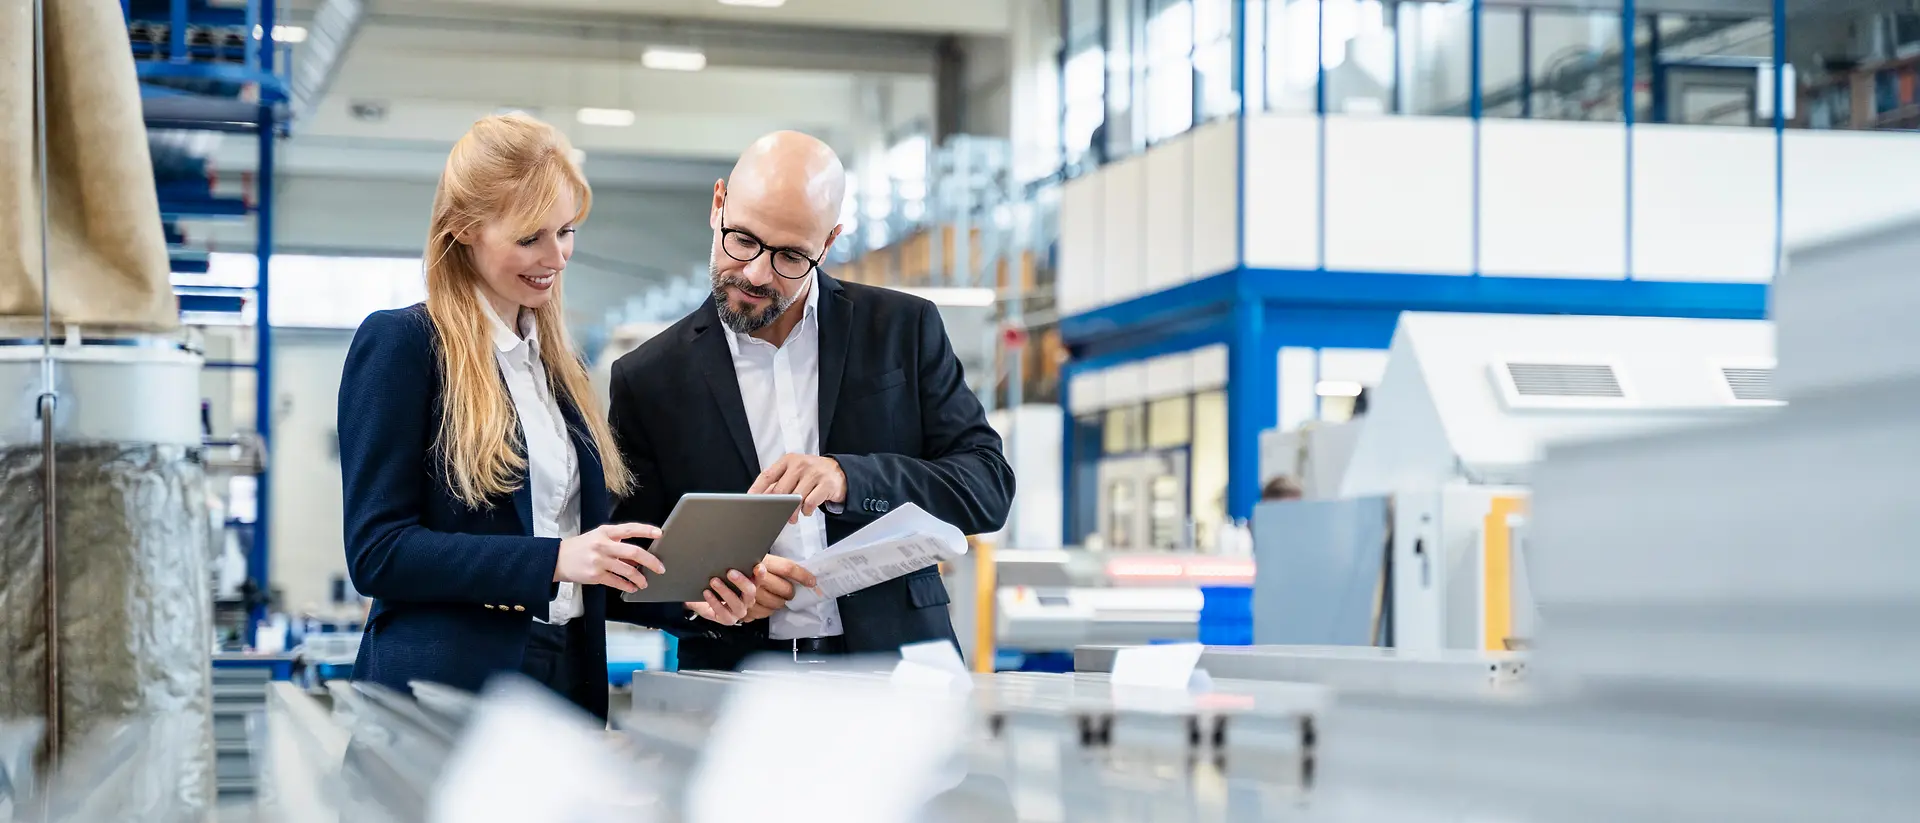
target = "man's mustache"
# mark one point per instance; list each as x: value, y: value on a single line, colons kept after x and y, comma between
x: 747, y: 288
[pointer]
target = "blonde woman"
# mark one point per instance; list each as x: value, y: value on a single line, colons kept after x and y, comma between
x: 478, y: 468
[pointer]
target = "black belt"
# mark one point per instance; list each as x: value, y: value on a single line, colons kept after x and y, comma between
x: 810, y: 646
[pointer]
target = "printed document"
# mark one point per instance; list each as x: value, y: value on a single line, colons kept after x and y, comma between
x: 903, y: 541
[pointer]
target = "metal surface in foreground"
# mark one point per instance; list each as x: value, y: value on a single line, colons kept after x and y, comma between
x: 1359, y: 668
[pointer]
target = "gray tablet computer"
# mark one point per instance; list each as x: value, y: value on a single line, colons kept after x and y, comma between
x: 709, y: 534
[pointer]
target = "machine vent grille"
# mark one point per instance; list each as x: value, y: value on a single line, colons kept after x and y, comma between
x: 1748, y: 383
x: 1564, y: 380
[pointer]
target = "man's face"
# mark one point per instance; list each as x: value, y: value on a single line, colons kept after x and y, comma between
x: 781, y: 242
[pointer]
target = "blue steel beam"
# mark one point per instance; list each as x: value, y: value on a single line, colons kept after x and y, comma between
x: 1210, y: 298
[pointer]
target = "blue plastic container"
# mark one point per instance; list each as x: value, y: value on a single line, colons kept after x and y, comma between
x: 1226, y: 615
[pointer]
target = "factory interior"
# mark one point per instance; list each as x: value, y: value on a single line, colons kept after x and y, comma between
x: 1421, y: 411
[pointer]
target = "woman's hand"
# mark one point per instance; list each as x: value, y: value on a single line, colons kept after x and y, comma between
x: 598, y: 558
x: 724, y: 604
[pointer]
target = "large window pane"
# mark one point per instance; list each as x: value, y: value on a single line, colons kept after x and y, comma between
x: 1122, y: 136
x: 1551, y: 64
x: 1169, y: 81
x: 1169, y: 423
x: 1085, y: 79
x: 1705, y: 70
x: 1213, y: 58
x: 1208, y: 494
x: 1436, y: 57
x: 1287, y: 54
x: 1357, y: 50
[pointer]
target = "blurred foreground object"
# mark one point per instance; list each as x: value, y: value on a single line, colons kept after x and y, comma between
x: 108, y: 253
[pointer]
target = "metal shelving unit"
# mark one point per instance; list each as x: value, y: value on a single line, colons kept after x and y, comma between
x: 215, y: 66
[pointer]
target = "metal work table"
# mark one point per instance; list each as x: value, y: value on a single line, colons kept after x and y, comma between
x: 1361, y: 668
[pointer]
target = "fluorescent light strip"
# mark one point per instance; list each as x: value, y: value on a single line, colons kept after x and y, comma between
x: 755, y: 4
x: 1337, y: 388
x: 960, y: 297
x: 284, y: 34
x: 605, y: 117
x: 673, y: 59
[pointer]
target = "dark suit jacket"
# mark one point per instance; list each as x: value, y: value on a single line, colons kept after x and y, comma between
x: 455, y: 589
x: 895, y: 412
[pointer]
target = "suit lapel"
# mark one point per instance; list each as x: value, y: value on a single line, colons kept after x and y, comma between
x: 715, y: 360
x: 836, y: 329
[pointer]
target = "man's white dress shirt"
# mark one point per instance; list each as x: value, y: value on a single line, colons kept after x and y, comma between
x: 780, y: 387
x: 553, y: 468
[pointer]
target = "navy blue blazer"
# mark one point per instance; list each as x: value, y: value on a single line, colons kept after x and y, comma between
x: 455, y: 589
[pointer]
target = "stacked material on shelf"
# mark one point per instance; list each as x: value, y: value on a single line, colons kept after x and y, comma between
x: 108, y: 254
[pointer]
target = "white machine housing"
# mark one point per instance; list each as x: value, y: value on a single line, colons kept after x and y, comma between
x: 1463, y: 411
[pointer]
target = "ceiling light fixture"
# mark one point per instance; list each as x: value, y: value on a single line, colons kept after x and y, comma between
x: 618, y: 118
x: 956, y: 297
x: 284, y: 34
x: 1338, y: 388
x: 755, y: 4
x: 673, y: 59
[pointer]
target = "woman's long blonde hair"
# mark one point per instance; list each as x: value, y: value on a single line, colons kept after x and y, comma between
x: 511, y: 169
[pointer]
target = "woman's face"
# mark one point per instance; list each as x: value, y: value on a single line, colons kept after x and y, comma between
x: 524, y: 269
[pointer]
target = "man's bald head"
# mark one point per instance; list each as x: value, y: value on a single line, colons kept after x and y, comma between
x: 790, y: 172
x: 773, y: 219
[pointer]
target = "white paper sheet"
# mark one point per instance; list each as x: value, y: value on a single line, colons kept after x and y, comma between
x: 903, y: 541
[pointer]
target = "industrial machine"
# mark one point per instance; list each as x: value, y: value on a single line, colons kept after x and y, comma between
x: 1465, y: 407
x: 1051, y: 600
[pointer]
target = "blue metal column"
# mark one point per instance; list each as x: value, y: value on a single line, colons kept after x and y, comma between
x: 1779, y: 135
x: 258, y: 561
x: 1629, y: 103
x: 1253, y: 399
x: 1067, y: 524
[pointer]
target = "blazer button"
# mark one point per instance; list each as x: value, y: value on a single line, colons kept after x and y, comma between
x: 489, y: 606
x: 519, y: 608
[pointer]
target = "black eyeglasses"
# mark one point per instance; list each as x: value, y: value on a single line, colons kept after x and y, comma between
x: 792, y: 264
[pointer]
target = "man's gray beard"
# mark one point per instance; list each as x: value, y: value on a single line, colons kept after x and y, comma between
x: 744, y: 323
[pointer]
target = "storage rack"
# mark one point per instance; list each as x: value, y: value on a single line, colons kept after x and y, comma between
x: 214, y: 66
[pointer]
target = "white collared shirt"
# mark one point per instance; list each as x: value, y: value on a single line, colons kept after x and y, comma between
x: 781, y: 390
x: 553, y: 470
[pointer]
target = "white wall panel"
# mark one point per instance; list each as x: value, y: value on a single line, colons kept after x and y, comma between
x: 1123, y: 270
x: 1553, y: 199
x: 1282, y: 206
x: 1363, y: 366
x: 1703, y: 203
x: 1210, y: 367
x: 1169, y: 213
x: 1087, y: 392
x: 1169, y: 375
x: 1082, y: 213
x: 1840, y: 182
x: 1214, y: 193
x: 1299, y: 371
x: 1400, y: 194
x: 1126, y: 384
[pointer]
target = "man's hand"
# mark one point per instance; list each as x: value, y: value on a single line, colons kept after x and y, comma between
x: 816, y: 479
x: 776, y: 578
x: 726, y: 604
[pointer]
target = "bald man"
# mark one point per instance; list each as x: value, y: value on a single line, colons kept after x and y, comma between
x: 790, y: 382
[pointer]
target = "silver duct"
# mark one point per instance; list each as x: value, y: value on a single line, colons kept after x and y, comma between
x: 131, y: 609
